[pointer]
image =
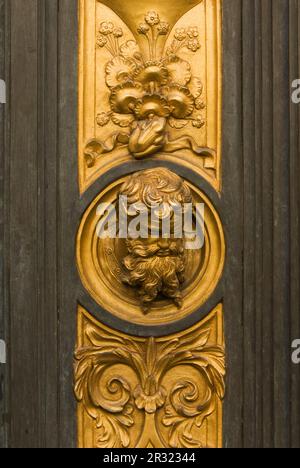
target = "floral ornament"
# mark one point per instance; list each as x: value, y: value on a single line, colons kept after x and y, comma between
x: 180, y: 34
x: 101, y: 40
x: 124, y: 98
x: 152, y: 29
x: 163, y: 28
x: 199, y: 104
x: 144, y: 90
x: 151, y: 398
x: 152, y: 18
x: 180, y: 100
x: 193, y: 45
x: 152, y: 104
x: 185, y: 38
x: 113, y: 402
x: 118, y: 32
x: 103, y: 118
x: 130, y: 50
x: 143, y: 28
x: 118, y: 71
x: 106, y: 28
x: 193, y: 32
x: 108, y: 36
x: 152, y: 76
x: 198, y: 122
x: 179, y: 71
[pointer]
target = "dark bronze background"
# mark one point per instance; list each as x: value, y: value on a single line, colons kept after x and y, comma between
x: 39, y: 205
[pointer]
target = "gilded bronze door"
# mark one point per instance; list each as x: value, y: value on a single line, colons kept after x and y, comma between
x: 149, y: 224
x: 150, y: 357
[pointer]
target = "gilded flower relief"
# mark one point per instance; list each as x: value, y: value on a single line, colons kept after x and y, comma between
x: 128, y: 394
x: 150, y: 94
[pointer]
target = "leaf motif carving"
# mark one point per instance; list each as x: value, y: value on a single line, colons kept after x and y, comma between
x: 111, y: 402
x: 176, y: 123
x: 186, y: 409
x: 113, y: 412
x: 150, y: 89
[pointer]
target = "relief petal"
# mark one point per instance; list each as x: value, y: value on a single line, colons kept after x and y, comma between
x: 180, y: 101
x: 177, y: 123
x: 179, y: 71
x: 196, y: 87
x: 118, y: 71
x: 152, y: 72
x: 152, y: 104
x: 122, y: 120
x: 124, y: 97
x: 130, y: 50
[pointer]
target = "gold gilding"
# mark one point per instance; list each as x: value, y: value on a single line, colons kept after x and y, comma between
x: 150, y: 392
x: 103, y: 266
x: 150, y: 89
x: 150, y: 85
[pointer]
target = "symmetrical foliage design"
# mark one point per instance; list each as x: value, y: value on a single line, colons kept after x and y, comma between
x: 112, y: 400
x: 149, y: 93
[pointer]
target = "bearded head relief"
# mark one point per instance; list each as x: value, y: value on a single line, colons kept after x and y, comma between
x: 155, y: 269
x: 156, y: 260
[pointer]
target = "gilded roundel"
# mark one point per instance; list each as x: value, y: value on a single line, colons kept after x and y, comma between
x: 150, y: 248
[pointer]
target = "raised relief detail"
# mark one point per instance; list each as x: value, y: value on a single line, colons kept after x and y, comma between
x: 160, y: 392
x: 147, y: 93
x: 141, y: 267
x: 149, y: 100
x: 150, y: 86
x: 156, y: 265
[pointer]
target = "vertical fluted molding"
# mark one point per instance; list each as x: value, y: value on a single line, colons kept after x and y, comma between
x: 270, y: 60
x: 281, y: 224
x: 295, y: 222
x: 3, y: 318
x: 30, y: 255
x: 266, y: 353
x: 232, y: 199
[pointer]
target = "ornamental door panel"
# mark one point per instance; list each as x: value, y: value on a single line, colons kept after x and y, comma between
x: 150, y: 149
x: 149, y: 217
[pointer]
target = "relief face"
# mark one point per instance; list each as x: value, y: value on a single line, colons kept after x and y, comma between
x: 156, y: 265
x: 141, y: 277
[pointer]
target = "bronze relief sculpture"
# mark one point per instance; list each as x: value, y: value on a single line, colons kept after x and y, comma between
x: 147, y: 94
x: 145, y: 393
x: 156, y: 265
x: 149, y: 117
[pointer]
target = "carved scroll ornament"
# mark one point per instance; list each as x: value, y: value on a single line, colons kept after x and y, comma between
x: 150, y: 392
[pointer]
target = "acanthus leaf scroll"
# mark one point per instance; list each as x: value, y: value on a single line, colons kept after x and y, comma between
x: 184, y: 407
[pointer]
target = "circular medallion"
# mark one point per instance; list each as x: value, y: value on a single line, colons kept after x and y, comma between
x: 104, y: 263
